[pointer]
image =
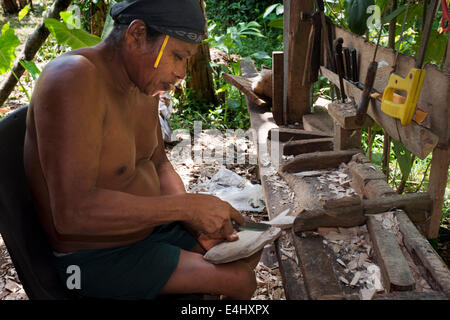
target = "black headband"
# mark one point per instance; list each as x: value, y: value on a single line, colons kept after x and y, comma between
x: 181, y: 19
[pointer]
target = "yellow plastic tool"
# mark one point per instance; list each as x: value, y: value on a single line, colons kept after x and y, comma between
x: 412, y: 84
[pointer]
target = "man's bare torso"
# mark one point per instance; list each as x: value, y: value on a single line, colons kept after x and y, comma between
x: 129, y: 139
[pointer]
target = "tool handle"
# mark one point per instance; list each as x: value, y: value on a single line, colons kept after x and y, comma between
x: 337, y: 44
x: 355, y: 71
x: 347, y: 63
x: 365, y: 97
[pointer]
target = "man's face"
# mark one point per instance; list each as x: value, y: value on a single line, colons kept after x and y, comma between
x: 143, y: 54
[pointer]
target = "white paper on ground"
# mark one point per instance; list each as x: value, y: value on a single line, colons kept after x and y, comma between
x: 232, y: 188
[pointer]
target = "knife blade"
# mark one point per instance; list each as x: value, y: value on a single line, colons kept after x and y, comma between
x: 252, y: 226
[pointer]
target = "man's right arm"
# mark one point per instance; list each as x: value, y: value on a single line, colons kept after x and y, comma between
x: 69, y: 119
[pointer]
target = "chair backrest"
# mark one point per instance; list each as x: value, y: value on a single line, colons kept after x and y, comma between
x: 22, y: 233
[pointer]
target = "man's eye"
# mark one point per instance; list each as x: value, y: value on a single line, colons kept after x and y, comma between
x: 178, y: 57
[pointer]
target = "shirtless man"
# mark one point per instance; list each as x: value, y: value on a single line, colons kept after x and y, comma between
x: 106, y: 195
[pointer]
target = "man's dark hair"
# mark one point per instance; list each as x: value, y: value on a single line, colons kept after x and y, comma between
x: 118, y: 32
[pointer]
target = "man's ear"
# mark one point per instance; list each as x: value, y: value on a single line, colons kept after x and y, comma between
x: 136, y: 34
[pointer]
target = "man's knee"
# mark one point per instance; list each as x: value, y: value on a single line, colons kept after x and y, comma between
x: 245, y: 280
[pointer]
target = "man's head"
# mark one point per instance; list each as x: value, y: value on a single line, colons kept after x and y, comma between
x: 141, y: 28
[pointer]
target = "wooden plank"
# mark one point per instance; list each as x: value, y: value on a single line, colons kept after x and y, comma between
x: 317, y: 160
x: 377, y: 189
x: 288, y: 134
x: 245, y: 86
x: 410, y: 295
x: 395, y: 270
x: 436, y: 188
x: 262, y: 123
x: 277, y: 86
x: 434, y: 97
x: 319, y: 121
x: 410, y: 202
x: 420, y: 248
x: 312, y: 219
x: 307, y: 146
x: 320, y: 278
x: 292, y: 276
x: 345, y: 115
x: 296, y: 97
x: 419, y: 140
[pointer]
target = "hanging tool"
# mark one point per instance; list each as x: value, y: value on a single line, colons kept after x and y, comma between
x: 361, y: 109
x: 337, y: 45
x: 326, y: 38
x: 412, y: 84
x: 347, y: 64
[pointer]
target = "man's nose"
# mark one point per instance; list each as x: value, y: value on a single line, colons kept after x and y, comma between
x: 180, y: 73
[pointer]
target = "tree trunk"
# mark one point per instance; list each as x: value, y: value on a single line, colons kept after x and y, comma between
x: 23, y: 3
x: 200, y: 72
x: 10, y: 6
x: 32, y: 45
x: 99, y: 12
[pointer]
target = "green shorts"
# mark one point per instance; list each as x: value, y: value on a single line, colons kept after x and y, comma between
x: 136, y: 271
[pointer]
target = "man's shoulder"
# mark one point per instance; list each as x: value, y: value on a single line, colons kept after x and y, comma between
x: 69, y: 68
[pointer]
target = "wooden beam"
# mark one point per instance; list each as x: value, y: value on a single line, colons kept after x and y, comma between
x: 421, y: 249
x: 317, y: 160
x: 320, y: 278
x: 307, y: 146
x: 346, y: 139
x: 395, y: 270
x: 296, y: 97
x: 288, y: 134
x: 434, y: 97
x: 436, y: 188
x: 277, y: 86
x: 245, y: 86
x: 419, y: 140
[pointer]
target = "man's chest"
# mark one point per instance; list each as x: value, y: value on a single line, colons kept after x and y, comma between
x: 130, y: 137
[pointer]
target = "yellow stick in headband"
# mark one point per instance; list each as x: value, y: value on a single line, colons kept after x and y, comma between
x: 161, y: 52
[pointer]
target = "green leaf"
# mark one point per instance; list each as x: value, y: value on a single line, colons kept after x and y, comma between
x: 261, y: 55
x: 356, y: 13
x: 31, y: 67
x: 233, y: 104
x: 270, y: 9
x: 24, y: 12
x: 395, y: 13
x: 74, y: 38
x: 8, y: 44
x: 403, y: 156
x: 277, y: 23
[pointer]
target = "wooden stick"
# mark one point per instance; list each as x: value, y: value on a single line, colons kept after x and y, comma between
x: 32, y: 45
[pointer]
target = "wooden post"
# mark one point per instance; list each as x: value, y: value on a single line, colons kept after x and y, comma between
x: 277, y: 87
x: 346, y: 139
x: 439, y: 171
x: 296, y: 97
x: 436, y: 188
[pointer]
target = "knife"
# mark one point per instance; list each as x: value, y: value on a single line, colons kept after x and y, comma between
x: 252, y: 226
